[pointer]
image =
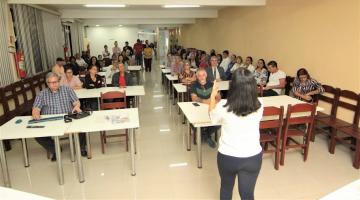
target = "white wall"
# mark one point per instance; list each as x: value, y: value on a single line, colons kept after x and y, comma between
x: 99, y: 36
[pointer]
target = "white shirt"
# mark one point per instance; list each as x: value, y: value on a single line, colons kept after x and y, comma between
x: 225, y: 63
x: 81, y: 62
x: 237, y: 66
x: 240, y: 136
x: 251, y: 68
x: 274, y: 79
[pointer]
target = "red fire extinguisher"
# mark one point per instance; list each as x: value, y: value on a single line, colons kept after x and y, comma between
x: 20, y: 64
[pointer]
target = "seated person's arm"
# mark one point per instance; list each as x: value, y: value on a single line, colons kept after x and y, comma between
x: 35, y: 113
x: 76, y: 107
x: 280, y: 86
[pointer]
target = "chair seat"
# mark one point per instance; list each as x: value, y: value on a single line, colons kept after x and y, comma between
x: 322, y: 115
x: 295, y: 132
x: 267, y: 137
x: 332, y: 122
x: 351, y: 131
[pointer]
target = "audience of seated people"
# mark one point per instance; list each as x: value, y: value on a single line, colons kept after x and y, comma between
x: 187, y: 76
x: 215, y: 72
x: 261, y: 73
x: 70, y: 80
x: 276, y: 80
x: 305, y: 87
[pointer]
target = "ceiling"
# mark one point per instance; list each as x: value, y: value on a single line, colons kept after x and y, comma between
x: 139, y: 12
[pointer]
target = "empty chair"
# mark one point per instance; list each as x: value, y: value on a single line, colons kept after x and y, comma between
x: 298, y: 115
x: 267, y: 133
x: 112, y: 100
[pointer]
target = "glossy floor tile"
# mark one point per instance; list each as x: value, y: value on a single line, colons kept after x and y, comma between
x: 165, y: 170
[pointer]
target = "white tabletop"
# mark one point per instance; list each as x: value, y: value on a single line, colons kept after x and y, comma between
x: 102, y: 73
x: 166, y: 70
x: 199, y: 116
x: 171, y: 77
x: 11, y: 130
x: 348, y: 192
x: 162, y: 66
x: 83, y: 93
x: 179, y: 87
x: 11, y: 194
x: 193, y: 69
x: 106, y: 120
x: 134, y: 68
x: 223, y: 85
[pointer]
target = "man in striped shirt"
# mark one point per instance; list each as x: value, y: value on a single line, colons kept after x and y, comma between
x: 56, y: 99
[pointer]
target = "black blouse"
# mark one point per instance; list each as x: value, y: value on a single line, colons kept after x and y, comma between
x: 90, y: 84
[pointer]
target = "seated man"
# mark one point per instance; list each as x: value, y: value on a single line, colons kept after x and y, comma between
x: 200, y: 92
x: 214, y: 71
x: 56, y: 99
x: 276, y: 80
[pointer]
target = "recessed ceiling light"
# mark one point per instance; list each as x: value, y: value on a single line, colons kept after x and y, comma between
x: 105, y: 5
x: 181, y: 6
x: 120, y: 25
x: 97, y: 25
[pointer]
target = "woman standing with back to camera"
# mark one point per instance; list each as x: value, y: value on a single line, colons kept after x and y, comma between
x: 239, y: 153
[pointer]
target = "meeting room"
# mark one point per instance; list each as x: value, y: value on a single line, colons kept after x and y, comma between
x: 159, y: 99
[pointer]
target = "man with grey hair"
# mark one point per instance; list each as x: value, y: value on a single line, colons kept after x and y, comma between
x: 56, y: 99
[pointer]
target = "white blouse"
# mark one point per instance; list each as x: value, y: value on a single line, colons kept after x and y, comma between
x: 240, y: 136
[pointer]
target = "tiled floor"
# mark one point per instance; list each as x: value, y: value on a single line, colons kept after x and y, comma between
x: 165, y: 170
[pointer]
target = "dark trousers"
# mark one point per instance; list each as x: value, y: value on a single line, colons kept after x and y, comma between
x: 206, y: 132
x: 49, y: 145
x: 247, y: 171
x: 269, y: 93
x: 147, y: 64
x: 138, y: 59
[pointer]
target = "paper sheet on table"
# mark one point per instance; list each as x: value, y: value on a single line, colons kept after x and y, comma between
x: 117, y: 119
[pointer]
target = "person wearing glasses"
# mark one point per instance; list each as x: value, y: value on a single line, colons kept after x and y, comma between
x: 215, y: 72
x: 70, y: 80
x: 56, y: 99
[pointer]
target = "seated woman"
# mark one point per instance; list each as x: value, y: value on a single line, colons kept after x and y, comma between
x: 92, y: 80
x: 122, y: 78
x: 305, y: 87
x: 187, y: 76
x: 238, y: 64
x: 261, y: 73
x: 70, y: 80
x: 94, y: 61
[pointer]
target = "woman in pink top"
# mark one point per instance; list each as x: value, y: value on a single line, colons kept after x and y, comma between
x: 70, y: 80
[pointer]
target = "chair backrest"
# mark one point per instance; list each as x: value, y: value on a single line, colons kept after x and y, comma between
x: 289, y: 83
x: 333, y: 100
x: 273, y: 111
x: 345, y: 96
x: 300, y: 108
x: 112, y: 100
x: 260, y: 89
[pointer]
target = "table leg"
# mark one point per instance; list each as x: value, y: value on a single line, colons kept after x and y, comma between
x: 173, y: 92
x: 59, y: 161
x: 78, y: 158
x: 4, y: 167
x: 71, y: 141
x: 182, y: 97
x: 138, y: 76
x: 179, y: 101
x: 132, y: 151
x: 25, y: 151
x: 198, y: 141
x: 137, y: 101
x: 88, y: 146
x: 188, y: 137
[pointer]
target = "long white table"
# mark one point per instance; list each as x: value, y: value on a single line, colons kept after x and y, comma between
x: 11, y: 194
x: 13, y: 130
x: 350, y: 191
x: 198, y: 116
x: 164, y: 71
x: 134, y: 91
x: 98, y: 121
x: 170, y: 79
x: 102, y: 121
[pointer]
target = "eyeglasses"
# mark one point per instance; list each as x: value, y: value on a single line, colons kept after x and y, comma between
x: 53, y: 82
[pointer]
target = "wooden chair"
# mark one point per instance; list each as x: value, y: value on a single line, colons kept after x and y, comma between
x: 322, y: 118
x: 289, y: 133
x: 266, y: 134
x: 350, y: 131
x: 106, y: 103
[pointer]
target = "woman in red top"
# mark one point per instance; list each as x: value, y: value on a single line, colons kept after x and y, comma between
x: 203, y: 61
x: 122, y: 78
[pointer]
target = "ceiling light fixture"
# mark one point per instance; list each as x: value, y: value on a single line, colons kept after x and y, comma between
x: 120, y: 25
x: 181, y: 6
x: 97, y: 25
x: 105, y: 5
